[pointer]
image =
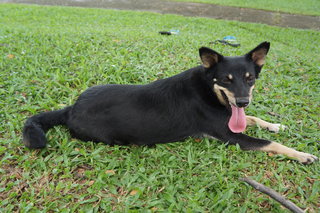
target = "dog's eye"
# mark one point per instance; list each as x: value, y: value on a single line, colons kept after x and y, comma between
x: 250, y: 78
x: 226, y: 81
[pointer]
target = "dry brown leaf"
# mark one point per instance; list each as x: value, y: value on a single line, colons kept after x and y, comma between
x: 133, y: 192
x: 10, y: 56
x: 112, y: 172
x: 270, y: 154
x: 81, y: 171
x: 311, y: 180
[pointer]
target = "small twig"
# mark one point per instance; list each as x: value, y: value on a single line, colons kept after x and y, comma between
x: 273, y: 194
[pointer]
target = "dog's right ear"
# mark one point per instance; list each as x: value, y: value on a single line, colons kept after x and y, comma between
x: 209, y: 57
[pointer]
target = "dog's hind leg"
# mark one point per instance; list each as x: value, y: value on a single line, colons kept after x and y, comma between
x: 251, y: 120
x: 249, y: 143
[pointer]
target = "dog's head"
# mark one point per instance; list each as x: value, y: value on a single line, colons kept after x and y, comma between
x: 233, y: 78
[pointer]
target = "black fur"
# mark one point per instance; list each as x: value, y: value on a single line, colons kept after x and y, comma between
x: 36, y: 126
x: 163, y: 111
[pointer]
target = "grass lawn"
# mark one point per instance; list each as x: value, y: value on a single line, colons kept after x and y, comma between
x: 49, y: 55
x: 306, y: 7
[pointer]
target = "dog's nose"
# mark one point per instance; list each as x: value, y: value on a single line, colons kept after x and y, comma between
x: 242, y: 102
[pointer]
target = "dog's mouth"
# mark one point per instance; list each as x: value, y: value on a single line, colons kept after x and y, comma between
x: 237, y: 122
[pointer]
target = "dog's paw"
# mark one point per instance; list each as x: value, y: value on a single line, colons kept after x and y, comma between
x: 306, y: 158
x: 276, y: 127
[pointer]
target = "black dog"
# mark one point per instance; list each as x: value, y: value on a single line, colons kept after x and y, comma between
x: 207, y: 100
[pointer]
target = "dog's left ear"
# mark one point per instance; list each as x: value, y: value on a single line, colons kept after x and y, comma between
x: 258, y: 54
x: 209, y: 57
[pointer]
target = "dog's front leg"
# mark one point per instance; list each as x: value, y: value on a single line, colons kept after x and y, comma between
x: 251, y: 120
x: 250, y: 143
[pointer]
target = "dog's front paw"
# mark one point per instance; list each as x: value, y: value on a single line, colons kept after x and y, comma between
x: 276, y: 127
x: 305, y: 158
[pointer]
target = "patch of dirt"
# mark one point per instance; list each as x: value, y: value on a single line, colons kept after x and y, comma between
x: 193, y: 9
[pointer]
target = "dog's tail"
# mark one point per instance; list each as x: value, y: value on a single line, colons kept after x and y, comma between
x: 36, y: 126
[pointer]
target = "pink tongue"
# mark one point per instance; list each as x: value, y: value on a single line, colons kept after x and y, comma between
x: 237, y: 122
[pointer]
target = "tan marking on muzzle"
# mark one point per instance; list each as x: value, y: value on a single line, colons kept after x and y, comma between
x: 217, y: 89
x: 250, y: 93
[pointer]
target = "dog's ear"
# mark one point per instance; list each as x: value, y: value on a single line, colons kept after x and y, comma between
x: 209, y: 57
x: 258, y: 54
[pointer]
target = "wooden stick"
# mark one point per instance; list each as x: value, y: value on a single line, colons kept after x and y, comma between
x: 273, y: 194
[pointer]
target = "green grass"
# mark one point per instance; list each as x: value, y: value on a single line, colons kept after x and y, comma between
x: 49, y: 55
x: 305, y: 7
